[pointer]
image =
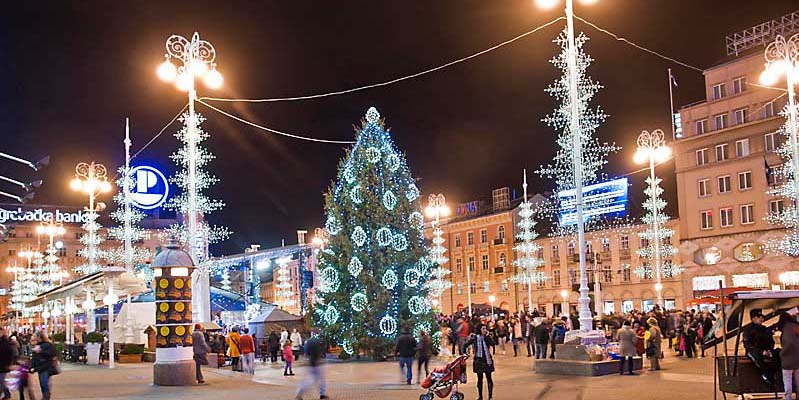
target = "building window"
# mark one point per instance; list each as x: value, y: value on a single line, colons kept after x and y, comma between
x: 501, y: 233
x: 471, y: 263
x: 701, y: 156
x: 472, y: 288
x: 624, y: 242
x: 540, y: 253
x: 724, y: 184
x: 625, y: 273
x: 28, y: 235
x: 725, y: 217
x: 458, y: 265
x: 62, y: 252
x: 458, y: 240
x: 741, y: 115
x: 483, y: 236
x: 706, y: 219
x: 739, y: 85
x: 12, y: 252
x: 589, y: 247
x: 503, y: 259
x: 486, y: 286
x: 722, y: 152
x: 605, y: 245
x: 742, y: 148
x: 571, y: 249
x: 556, y: 278
x: 77, y: 253
x: 719, y: 91
x: 78, y: 235
x: 704, y: 187
x: 776, y: 206
x: 768, y: 110
x: 469, y: 238
x: 770, y: 140
x: 460, y: 288
x: 607, y: 273
x: 555, y: 252
x: 745, y: 180
x: 720, y: 121
x: 484, y: 260
x: 748, y: 214
x: 701, y: 126
x: 572, y: 277
x: 643, y: 243
x: 504, y: 285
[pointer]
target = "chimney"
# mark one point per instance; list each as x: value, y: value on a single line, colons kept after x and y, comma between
x: 301, y: 236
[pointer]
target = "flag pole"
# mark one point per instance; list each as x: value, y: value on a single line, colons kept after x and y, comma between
x: 671, y: 106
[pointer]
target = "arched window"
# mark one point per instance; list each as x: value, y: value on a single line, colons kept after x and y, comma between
x: 571, y: 248
x: 501, y: 232
x: 502, y: 259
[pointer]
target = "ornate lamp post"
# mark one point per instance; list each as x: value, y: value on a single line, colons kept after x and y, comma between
x: 652, y: 148
x: 437, y: 208
x: 53, y: 272
x: 196, y: 59
x: 782, y: 57
x: 586, y: 320
x: 91, y: 179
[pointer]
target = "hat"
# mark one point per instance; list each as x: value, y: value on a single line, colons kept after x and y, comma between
x: 626, y: 323
x: 756, y: 312
x: 652, y: 321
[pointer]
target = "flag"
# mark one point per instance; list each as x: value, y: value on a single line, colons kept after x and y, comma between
x: 673, y: 79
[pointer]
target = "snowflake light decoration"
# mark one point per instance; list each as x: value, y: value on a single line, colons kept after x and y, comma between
x: 785, y: 178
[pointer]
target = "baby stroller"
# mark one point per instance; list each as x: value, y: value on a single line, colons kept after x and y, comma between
x: 443, y: 379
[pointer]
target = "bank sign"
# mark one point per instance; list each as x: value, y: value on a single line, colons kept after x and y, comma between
x: 41, y: 215
x: 150, y: 189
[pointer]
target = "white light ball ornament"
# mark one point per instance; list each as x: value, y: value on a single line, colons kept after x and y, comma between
x: 389, y: 280
x: 184, y: 82
x: 213, y: 79
x: 388, y: 325
x: 373, y: 154
x: 400, y: 243
x: 411, y: 277
x: 358, y: 236
x: 358, y: 302
x: 389, y: 200
x: 384, y: 236
x: 417, y: 305
x: 355, y: 266
x: 167, y: 71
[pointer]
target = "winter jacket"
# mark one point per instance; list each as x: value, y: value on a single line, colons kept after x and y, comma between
x: 43, y: 359
x: 541, y: 334
x: 406, y: 345
x: 247, y: 344
x: 288, y: 354
x: 234, y: 344
x: 558, y: 333
x: 790, y: 345
x: 627, y: 339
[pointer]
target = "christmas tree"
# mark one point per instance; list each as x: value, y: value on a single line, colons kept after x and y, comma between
x: 655, y: 212
x: 528, y: 261
x: 374, y: 271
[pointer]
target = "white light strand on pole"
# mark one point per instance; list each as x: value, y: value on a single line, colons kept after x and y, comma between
x: 527, y: 261
x: 91, y: 179
x: 284, y: 293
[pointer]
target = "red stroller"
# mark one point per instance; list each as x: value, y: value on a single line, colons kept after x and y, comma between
x: 443, y: 379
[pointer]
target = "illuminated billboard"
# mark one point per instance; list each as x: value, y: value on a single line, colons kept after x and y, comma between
x: 601, y: 199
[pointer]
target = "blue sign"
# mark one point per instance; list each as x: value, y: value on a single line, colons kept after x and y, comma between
x: 606, y: 198
x: 150, y: 189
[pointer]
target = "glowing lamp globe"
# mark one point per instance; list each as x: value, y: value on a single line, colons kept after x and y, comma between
x: 89, y: 304
x: 105, y: 186
x: 565, y: 294
x: 444, y: 211
x: 546, y: 4
x: 184, y: 82
x: 167, y: 71
x: 45, y: 314
x: 430, y: 211
x: 658, y: 287
x: 110, y: 299
x: 76, y: 184
x: 59, y: 244
x: 769, y: 76
x: 492, y: 299
x: 662, y: 153
x: 198, y: 68
x: 641, y: 155
x: 213, y: 80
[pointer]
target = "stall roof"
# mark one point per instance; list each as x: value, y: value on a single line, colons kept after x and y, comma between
x: 274, y: 315
x: 78, y: 287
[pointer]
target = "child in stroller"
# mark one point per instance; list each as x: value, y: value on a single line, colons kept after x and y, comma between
x: 443, y: 379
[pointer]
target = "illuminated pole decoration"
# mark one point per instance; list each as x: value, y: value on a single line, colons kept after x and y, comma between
x: 527, y: 261
x: 284, y: 294
x: 196, y: 59
x: 580, y: 154
x: 437, y: 208
x: 128, y: 217
x: 91, y: 179
x: 782, y: 57
x: 652, y: 149
x: 51, y: 275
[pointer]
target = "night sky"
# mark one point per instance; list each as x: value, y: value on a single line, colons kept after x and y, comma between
x: 71, y: 73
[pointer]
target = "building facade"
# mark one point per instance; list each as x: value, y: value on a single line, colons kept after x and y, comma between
x: 723, y: 166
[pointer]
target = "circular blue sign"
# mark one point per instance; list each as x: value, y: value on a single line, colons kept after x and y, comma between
x: 150, y: 188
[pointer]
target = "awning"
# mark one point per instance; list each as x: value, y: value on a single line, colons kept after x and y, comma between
x: 97, y: 282
x: 275, y: 315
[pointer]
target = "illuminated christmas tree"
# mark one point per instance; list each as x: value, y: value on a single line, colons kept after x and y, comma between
x: 374, y: 271
x: 655, y: 209
x: 784, y: 174
x: 527, y: 260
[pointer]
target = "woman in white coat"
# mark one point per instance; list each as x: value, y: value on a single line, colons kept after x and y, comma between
x: 296, y: 343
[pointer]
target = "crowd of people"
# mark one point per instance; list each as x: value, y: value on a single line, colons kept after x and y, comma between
x: 22, y: 355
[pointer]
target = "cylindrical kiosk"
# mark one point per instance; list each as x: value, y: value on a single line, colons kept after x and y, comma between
x: 174, y: 365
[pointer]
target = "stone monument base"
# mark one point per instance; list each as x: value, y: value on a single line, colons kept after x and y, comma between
x: 574, y: 359
x: 174, y: 373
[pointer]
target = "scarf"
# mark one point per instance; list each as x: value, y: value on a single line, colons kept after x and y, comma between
x: 482, y: 350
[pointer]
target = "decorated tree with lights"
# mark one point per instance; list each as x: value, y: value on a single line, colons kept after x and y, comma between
x: 656, y: 215
x: 785, y: 174
x: 527, y: 261
x: 374, y: 271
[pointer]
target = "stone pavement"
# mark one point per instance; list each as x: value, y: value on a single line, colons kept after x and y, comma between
x: 681, y: 379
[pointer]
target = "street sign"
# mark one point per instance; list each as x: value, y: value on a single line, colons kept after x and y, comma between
x: 150, y: 189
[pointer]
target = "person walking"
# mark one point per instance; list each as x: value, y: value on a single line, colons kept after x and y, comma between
x: 483, y: 364
x: 200, y: 349
x: 314, y: 350
x: 789, y: 355
x: 541, y: 335
x: 6, y: 360
x: 247, y: 346
x: 527, y: 333
x: 516, y: 335
x: 626, y: 338
x: 691, y: 332
x: 296, y: 343
x: 274, y: 346
x: 288, y: 357
x: 502, y: 334
x: 558, y: 335
x: 425, y: 349
x: 653, y: 339
x: 405, y: 350
x: 43, y: 356
x: 463, y: 334
x: 234, y: 348
x: 640, y: 333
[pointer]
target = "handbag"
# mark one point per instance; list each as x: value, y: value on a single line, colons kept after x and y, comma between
x: 55, y: 367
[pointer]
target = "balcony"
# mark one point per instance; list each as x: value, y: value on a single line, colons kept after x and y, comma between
x: 624, y: 253
x: 499, y: 270
x: 498, y: 242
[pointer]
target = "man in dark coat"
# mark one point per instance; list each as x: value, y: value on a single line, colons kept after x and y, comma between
x: 406, y: 349
x: 6, y: 359
x: 759, y: 345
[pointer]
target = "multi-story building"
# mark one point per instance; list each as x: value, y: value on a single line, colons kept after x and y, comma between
x: 480, y: 242
x: 22, y: 221
x: 723, y: 165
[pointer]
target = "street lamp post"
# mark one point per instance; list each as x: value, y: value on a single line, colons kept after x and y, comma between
x: 196, y: 59
x: 492, y: 299
x: 437, y: 208
x: 586, y: 320
x: 564, y: 294
x: 15, y: 295
x: 652, y: 149
x: 110, y: 300
x: 52, y: 230
x: 782, y: 57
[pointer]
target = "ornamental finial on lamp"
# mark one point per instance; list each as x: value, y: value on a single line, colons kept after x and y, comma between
x: 372, y: 116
